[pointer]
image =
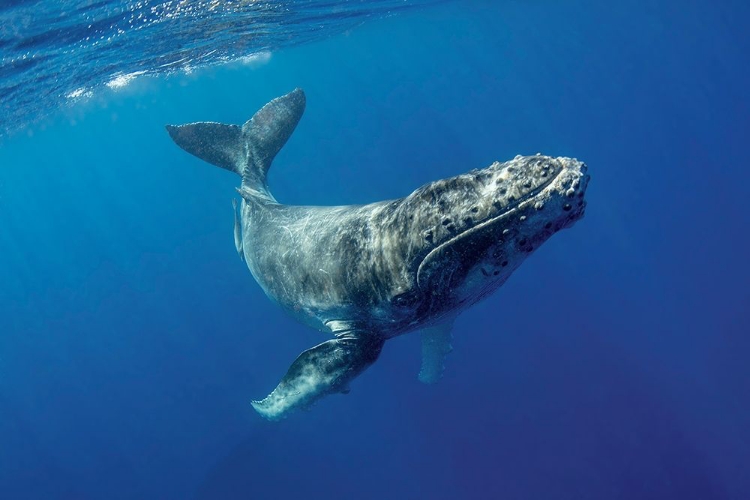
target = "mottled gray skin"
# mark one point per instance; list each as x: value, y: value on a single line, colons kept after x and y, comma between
x: 371, y: 272
x: 368, y: 266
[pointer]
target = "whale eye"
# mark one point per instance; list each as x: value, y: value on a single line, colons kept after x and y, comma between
x: 405, y: 299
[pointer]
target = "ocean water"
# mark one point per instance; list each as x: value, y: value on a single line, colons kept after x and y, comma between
x: 612, y: 365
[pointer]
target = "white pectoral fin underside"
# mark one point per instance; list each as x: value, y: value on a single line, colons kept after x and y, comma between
x: 436, y: 344
x: 325, y: 369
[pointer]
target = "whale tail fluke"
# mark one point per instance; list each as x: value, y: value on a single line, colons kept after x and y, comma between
x: 216, y: 143
x: 247, y: 150
x: 267, y: 132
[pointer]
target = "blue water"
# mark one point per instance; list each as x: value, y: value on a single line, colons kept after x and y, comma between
x: 53, y: 52
x: 612, y: 365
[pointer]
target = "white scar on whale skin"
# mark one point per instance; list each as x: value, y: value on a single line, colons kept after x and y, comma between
x: 367, y: 273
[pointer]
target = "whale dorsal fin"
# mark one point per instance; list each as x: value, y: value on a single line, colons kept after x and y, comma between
x: 238, y: 244
x: 247, y: 150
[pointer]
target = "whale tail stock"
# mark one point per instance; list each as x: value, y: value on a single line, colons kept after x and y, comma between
x: 247, y: 150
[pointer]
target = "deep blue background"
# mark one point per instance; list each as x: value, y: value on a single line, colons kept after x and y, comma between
x: 613, y: 364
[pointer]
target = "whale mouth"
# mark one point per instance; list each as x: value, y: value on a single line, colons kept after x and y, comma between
x: 454, y: 257
x: 447, y: 250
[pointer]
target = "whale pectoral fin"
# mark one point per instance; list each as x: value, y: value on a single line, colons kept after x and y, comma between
x: 436, y: 344
x: 238, y: 231
x: 324, y: 369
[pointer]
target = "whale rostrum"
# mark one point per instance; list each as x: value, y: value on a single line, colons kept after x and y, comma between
x: 367, y: 273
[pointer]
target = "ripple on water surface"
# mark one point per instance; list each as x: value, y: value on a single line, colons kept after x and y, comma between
x: 54, y: 52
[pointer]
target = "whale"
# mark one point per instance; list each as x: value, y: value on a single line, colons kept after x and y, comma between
x: 363, y: 274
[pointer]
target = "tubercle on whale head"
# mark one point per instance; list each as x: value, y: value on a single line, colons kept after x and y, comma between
x: 471, y: 231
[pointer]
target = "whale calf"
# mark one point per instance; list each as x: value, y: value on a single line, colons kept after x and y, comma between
x: 367, y: 273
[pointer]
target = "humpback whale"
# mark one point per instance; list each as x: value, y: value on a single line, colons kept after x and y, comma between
x: 366, y: 273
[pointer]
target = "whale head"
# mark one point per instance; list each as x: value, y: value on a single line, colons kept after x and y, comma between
x: 477, y: 228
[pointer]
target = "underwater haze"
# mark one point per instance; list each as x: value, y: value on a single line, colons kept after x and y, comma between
x: 612, y: 365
